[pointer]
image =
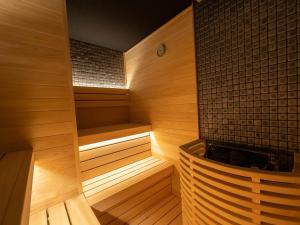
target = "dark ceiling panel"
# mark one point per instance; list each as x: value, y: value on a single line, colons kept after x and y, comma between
x: 118, y: 24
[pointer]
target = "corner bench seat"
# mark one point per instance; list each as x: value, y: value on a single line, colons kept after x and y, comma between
x: 74, y: 211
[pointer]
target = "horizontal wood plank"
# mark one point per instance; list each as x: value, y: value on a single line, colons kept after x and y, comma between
x: 96, y: 90
x: 98, y: 134
x: 113, y: 157
x: 109, y: 149
x: 114, y: 165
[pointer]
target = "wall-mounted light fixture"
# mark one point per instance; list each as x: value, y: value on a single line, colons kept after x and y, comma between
x: 112, y: 141
x: 161, y: 50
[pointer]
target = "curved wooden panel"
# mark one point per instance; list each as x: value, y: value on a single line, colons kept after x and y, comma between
x: 217, y: 193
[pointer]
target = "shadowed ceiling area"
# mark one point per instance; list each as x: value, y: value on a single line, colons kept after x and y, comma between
x: 119, y: 24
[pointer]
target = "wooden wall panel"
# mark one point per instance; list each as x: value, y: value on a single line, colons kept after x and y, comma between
x: 97, y: 107
x: 163, y: 89
x: 36, y: 96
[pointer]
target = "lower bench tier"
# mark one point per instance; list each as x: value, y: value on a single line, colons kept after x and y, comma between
x: 147, y: 208
x: 139, y: 193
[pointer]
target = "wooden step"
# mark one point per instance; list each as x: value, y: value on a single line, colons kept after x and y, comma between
x: 109, y: 189
x: 152, y: 206
x: 102, y: 159
x: 73, y: 211
x: 99, y: 134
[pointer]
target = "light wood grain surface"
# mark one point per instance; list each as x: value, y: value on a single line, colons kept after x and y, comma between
x: 16, y: 170
x: 36, y: 95
x: 214, y: 192
x: 163, y: 89
x: 101, y: 106
x: 73, y: 211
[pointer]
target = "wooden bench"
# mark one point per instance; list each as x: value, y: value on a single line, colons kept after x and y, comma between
x: 103, y: 187
x: 74, y: 211
x: 107, y: 148
x: 104, y: 133
x: 140, y: 193
x: 121, y: 180
x: 16, y: 170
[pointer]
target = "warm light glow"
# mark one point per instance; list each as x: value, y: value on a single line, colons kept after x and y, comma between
x: 155, y: 147
x: 112, y: 141
x: 97, y: 85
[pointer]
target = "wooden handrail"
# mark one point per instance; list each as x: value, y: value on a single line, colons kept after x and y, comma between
x: 16, y: 171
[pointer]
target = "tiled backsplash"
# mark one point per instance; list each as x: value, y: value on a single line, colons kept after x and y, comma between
x: 247, y: 68
x: 95, y: 66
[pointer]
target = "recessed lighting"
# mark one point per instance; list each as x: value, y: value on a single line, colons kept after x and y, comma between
x: 112, y: 141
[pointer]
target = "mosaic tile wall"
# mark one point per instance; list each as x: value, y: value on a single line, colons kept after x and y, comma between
x: 95, y: 66
x: 248, y: 55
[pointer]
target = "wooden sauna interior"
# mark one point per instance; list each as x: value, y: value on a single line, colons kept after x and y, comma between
x: 74, y: 155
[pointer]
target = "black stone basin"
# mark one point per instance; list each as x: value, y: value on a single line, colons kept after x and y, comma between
x: 244, y: 156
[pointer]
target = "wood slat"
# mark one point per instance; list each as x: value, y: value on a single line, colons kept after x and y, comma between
x: 155, y: 205
x: 147, y: 213
x: 58, y: 215
x: 108, y: 149
x: 39, y: 218
x: 97, y: 104
x: 136, y: 205
x: 104, y: 185
x: 16, y: 171
x: 114, y: 165
x: 167, y: 218
x: 75, y: 211
x: 131, y: 191
x: 156, y: 216
x: 98, y: 134
x: 101, y: 106
x: 113, y: 157
x: 123, y: 170
x: 80, y: 212
x: 177, y: 220
x: 100, y: 97
x: 120, y: 173
x: 96, y: 90
x: 106, y: 190
x: 224, y: 194
x: 103, y: 116
x: 235, y: 188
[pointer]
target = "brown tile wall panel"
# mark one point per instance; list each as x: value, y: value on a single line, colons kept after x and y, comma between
x: 95, y: 66
x: 247, y: 68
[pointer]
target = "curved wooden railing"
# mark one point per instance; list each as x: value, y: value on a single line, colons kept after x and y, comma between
x: 216, y: 193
